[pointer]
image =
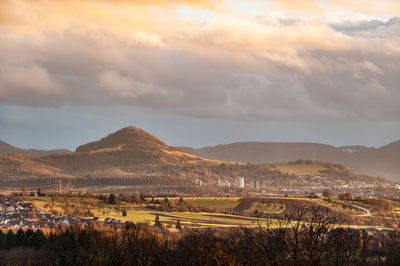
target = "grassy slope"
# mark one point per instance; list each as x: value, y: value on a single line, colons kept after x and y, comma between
x: 140, y: 214
x: 214, y: 202
x: 301, y: 169
x: 267, y: 207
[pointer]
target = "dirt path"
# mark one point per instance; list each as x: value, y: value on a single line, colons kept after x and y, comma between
x: 365, y: 210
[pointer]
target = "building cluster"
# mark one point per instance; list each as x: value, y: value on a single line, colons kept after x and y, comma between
x: 299, y: 185
x: 222, y: 183
x: 15, y: 214
x: 239, y: 183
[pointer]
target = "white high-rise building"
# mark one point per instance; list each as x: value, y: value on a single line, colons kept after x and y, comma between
x: 255, y: 184
x: 240, y: 182
x: 226, y: 183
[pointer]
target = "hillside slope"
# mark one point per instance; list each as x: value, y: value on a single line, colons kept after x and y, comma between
x: 126, y: 139
x: 6, y: 148
x: 129, y: 150
x: 17, y: 166
x: 383, y: 161
x: 132, y: 152
x: 131, y: 159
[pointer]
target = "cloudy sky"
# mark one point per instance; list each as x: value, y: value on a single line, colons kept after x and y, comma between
x: 199, y: 72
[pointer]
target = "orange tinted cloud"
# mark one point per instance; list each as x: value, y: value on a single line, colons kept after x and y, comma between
x: 123, y: 23
x: 127, y: 12
x: 128, y: 52
x: 96, y: 20
x: 359, y: 6
x: 369, y: 6
x: 170, y: 3
x: 297, y: 5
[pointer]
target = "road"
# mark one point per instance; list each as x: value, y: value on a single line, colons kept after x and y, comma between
x: 367, y: 212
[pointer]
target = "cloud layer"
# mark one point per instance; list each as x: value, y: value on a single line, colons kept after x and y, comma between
x: 277, y: 65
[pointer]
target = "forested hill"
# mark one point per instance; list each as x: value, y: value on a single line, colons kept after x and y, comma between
x: 382, y: 161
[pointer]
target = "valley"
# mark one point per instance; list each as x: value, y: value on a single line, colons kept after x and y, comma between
x: 211, y: 211
x: 131, y: 160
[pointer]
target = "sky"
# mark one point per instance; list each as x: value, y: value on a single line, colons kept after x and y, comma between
x: 200, y: 72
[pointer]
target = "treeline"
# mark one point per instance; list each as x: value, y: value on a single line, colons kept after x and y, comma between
x: 377, y: 204
x: 337, y: 170
x: 21, y: 238
x: 294, y: 242
x: 88, y: 180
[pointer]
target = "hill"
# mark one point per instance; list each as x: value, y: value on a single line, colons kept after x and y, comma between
x: 383, y: 161
x: 125, y: 152
x: 17, y: 166
x: 126, y: 139
x: 132, y: 159
x: 6, y: 148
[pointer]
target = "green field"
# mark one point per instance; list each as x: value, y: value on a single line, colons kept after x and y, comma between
x: 267, y: 207
x: 301, y: 169
x: 396, y: 205
x: 214, y: 202
x: 140, y: 214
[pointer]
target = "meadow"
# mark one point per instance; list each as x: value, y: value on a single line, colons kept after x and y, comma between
x: 139, y: 213
x: 202, y: 211
x: 313, y: 169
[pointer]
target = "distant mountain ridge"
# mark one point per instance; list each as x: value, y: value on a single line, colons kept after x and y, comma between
x: 132, y: 157
x: 132, y: 151
x: 354, y: 148
x: 6, y: 148
x: 128, y: 151
x: 382, y: 161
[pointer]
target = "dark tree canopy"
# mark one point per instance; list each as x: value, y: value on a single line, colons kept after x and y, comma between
x: 112, y: 199
x: 157, y: 221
